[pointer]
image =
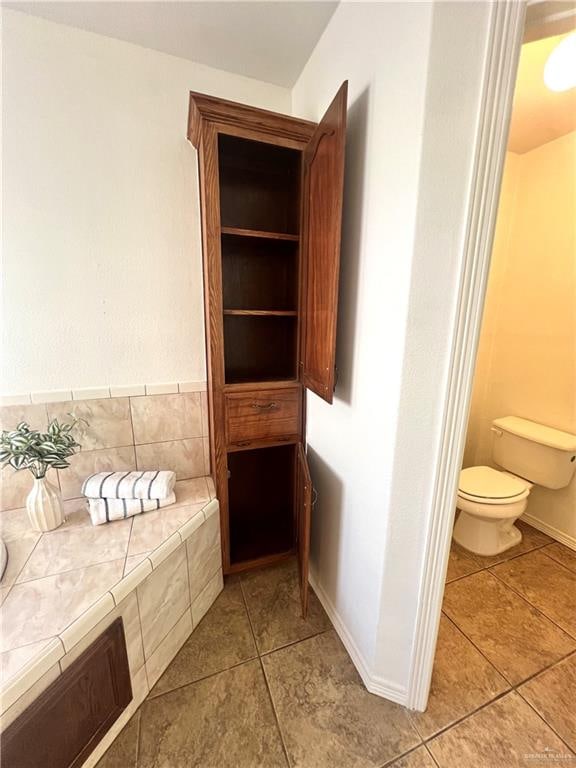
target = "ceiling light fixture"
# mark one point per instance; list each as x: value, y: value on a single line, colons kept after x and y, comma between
x: 560, y: 68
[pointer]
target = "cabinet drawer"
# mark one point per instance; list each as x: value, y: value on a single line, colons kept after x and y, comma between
x: 262, y: 414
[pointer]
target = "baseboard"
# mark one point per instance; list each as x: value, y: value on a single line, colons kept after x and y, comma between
x: 374, y: 684
x: 555, y: 533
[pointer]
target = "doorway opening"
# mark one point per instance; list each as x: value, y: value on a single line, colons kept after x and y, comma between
x: 503, y: 623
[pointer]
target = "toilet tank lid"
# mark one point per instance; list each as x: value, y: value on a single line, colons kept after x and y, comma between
x: 538, y: 433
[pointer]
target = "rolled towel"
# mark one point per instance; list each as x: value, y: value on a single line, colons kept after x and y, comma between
x: 157, y: 484
x: 106, y: 510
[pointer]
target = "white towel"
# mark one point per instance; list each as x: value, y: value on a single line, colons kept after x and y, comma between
x: 157, y: 484
x: 106, y: 510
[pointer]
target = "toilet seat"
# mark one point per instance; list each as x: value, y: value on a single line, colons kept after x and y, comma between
x: 485, y: 485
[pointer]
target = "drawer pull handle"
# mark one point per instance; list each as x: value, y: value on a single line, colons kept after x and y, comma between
x: 242, y: 443
x: 265, y: 406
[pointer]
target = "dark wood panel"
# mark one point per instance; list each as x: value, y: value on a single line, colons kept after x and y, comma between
x: 261, y: 499
x: 259, y: 185
x: 237, y: 232
x: 322, y: 190
x: 269, y: 442
x: 263, y: 414
x: 210, y: 218
x: 304, y: 515
x: 259, y: 348
x: 259, y: 274
x: 64, y: 725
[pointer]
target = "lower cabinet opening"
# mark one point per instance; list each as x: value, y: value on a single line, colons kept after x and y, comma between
x: 261, y: 502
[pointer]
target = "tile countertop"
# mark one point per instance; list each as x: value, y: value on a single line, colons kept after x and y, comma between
x: 59, y: 585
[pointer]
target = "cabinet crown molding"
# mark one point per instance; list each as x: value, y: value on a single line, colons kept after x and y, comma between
x: 231, y: 113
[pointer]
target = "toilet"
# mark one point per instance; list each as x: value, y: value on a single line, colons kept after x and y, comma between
x: 491, y: 500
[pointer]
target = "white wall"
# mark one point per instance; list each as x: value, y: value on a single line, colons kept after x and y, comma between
x: 526, y: 363
x: 415, y: 74
x: 382, y: 49
x: 101, y: 237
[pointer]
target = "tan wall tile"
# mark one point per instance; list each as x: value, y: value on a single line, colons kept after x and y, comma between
x: 159, y: 418
x: 15, y: 486
x: 88, y: 462
x: 128, y: 610
x: 204, y: 555
x: 169, y: 647
x: 163, y: 597
x: 109, y: 424
x: 34, y: 415
x: 185, y: 457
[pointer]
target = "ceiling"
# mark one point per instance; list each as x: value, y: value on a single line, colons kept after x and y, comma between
x: 270, y: 41
x: 539, y: 115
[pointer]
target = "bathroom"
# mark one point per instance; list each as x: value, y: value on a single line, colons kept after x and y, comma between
x: 509, y: 615
x: 109, y: 109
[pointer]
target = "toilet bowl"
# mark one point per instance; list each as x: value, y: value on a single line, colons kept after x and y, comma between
x: 489, y: 503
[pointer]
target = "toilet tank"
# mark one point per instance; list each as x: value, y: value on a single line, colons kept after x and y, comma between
x: 540, y: 454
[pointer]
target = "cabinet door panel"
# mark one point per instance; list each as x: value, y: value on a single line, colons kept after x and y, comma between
x: 65, y: 723
x: 322, y: 189
x: 304, y: 512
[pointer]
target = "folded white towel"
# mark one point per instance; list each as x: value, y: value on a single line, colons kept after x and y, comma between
x: 157, y: 484
x: 106, y: 510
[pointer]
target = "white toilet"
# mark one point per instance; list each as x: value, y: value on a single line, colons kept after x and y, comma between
x: 490, y: 500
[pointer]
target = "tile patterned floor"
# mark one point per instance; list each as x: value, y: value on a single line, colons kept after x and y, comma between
x: 256, y: 687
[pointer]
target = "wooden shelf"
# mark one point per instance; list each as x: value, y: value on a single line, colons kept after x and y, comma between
x: 258, y: 233
x: 260, y: 312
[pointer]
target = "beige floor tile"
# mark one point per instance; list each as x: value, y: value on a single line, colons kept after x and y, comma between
x: 326, y: 715
x: 419, y: 758
x: 546, y: 584
x: 123, y: 753
x: 221, y: 640
x: 223, y: 721
x: 273, y: 601
x: 461, y: 563
x: 505, y: 734
x: 553, y: 695
x: 531, y: 539
x: 462, y: 681
x: 561, y: 554
x: 513, y: 635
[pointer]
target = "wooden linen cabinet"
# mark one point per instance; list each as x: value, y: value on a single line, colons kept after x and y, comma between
x: 271, y: 201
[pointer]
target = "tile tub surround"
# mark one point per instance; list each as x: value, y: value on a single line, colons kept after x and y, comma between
x: 47, y: 620
x: 145, y: 431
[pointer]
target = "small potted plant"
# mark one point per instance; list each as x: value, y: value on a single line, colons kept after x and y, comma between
x: 26, y: 448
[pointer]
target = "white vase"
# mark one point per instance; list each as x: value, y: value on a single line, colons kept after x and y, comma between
x: 44, y: 505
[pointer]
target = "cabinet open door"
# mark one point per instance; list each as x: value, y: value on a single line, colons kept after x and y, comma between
x: 303, y: 515
x: 322, y: 190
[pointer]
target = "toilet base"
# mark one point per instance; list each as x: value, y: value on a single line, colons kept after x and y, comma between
x: 485, y: 537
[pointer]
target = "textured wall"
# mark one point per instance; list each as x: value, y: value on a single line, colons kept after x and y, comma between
x: 102, y: 270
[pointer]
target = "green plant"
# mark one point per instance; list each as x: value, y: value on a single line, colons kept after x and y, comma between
x: 25, y: 448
